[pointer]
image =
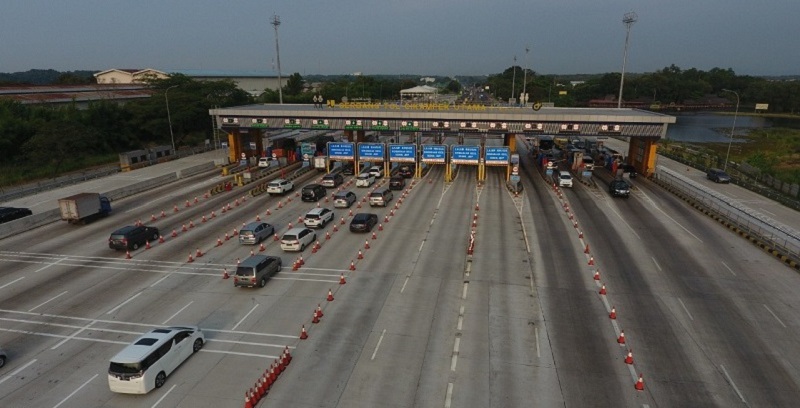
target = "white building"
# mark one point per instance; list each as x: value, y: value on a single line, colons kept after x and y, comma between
x: 252, y: 82
x: 128, y: 76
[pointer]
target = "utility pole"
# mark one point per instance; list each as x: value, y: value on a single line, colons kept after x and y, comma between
x: 514, y: 79
x: 276, y: 21
x: 628, y: 19
x: 522, y: 98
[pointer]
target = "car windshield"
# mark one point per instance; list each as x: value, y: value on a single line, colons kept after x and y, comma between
x: 566, y: 176
x: 124, y: 368
x: 246, y: 233
x: 240, y: 271
x: 363, y: 176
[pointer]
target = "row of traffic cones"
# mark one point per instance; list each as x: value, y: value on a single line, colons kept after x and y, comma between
x: 612, y: 315
x: 267, y: 379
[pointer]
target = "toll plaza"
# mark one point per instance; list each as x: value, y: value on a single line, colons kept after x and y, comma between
x: 245, y: 126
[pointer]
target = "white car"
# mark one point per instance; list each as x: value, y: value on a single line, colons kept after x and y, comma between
x: 264, y: 162
x: 564, y: 179
x: 318, y: 218
x: 376, y: 171
x: 279, y: 186
x: 297, y: 239
x: 365, y: 180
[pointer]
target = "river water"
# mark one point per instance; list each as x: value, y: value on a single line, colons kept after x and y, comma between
x: 709, y: 127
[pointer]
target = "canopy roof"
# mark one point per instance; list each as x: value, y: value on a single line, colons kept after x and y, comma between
x: 419, y: 90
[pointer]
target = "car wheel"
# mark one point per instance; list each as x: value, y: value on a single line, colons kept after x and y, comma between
x: 161, y: 378
x: 302, y: 247
x: 262, y: 282
x: 2, y: 361
x: 155, y: 237
x: 198, y: 344
x: 135, y: 246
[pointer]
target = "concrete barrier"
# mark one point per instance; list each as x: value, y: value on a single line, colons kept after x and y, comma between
x: 132, y: 189
x: 191, y: 171
x: 30, y: 222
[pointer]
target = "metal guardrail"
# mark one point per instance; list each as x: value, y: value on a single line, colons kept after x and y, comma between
x: 772, y: 233
x: 12, y: 193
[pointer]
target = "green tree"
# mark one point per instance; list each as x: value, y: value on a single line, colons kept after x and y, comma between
x: 294, y: 84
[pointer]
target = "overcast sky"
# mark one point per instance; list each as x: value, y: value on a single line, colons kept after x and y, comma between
x: 426, y: 37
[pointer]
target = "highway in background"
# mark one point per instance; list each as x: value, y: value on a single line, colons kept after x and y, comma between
x: 709, y: 317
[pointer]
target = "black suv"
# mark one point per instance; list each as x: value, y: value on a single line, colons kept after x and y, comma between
x: 363, y: 222
x: 718, y: 176
x: 10, y: 213
x: 619, y: 188
x: 132, y: 237
x: 397, y: 183
x: 406, y: 171
x: 313, y: 192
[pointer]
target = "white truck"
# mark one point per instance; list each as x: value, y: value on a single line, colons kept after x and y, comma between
x: 321, y: 163
x: 83, y: 207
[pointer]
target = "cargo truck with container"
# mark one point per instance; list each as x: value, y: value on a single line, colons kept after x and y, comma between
x: 84, y: 207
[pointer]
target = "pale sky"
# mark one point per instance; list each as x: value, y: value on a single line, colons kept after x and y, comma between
x: 426, y: 37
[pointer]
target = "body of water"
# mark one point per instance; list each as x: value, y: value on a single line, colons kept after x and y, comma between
x: 709, y: 127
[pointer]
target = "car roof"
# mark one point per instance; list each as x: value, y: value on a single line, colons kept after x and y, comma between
x: 343, y: 193
x: 134, y: 352
x: 253, y: 225
x: 295, y: 231
x: 318, y: 210
x: 124, y: 230
x: 364, y: 215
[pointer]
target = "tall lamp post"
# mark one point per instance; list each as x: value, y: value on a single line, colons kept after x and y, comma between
x: 628, y: 19
x: 514, y: 79
x: 276, y: 21
x: 525, y: 78
x: 733, y: 128
x: 169, y: 118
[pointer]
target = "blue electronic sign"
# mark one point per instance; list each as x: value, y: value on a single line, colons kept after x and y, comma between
x: 465, y: 154
x: 496, y: 156
x: 402, y: 153
x: 371, y: 152
x: 341, y: 151
x: 434, y: 153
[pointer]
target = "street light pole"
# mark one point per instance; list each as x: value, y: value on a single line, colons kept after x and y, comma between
x: 733, y: 128
x: 628, y: 19
x: 169, y: 119
x: 525, y: 78
x: 276, y: 21
x: 514, y: 79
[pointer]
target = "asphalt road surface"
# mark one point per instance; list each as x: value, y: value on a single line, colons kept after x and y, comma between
x: 708, y: 317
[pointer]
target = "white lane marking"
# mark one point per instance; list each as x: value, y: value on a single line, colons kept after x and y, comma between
x: 460, y: 318
x: 404, y: 284
x: 676, y: 222
x: 49, y: 265
x: 449, y: 396
x: 685, y: 309
x: 768, y: 212
x: 176, y: 313
x: 464, y: 292
x: 245, y: 317
x: 164, y: 396
x: 147, y: 325
x: 374, y: 352
x: 73, y: 335
x: 729, y: 268
x: 159, y: 281
x: 656, y: 262
x: 239, y: 353
x: 622, y: 219
x: 75, y: 392
x: 123, y: 303
x: 536, y: 334
x: 12, y: 282
x: 774, y: 315
x: 17, y: 371
x: 421, y: 244
x: 48, y: 300
x: 454, y: 360
x: 732, y: 383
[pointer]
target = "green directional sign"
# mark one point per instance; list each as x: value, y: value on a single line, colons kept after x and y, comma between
x: 259, y: 123
x: 291, y: 124
x: 380, y: 125
x: 353, y: 124
x: 320, y: 124
x: 409, y: 126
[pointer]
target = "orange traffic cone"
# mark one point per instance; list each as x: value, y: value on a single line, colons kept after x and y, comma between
x: 586, y: 251
x: 352, y: 266
x: 315, y: 319
x: 174, y: 233
x: 613, y: 314
x: 225, y: 274
x: 629, y: 357
x: 621, y: 338
x: 219, y: 241
x: 639, y: 384
x: 190, y: 258
x: 603, y: 289
x: 319, y: 310
x: 127, y: 254
x: 341, y: 279
x: 591, y: 260
x: 204, y: 218
x: 275, y: 237
x: 258, y: 217
x: 366, y: 244
x: 330, y: 296
x: 596, y: 275
x: 175, y: 209
x: 152, y: 217
x: 342, y: 221
x: 360, y: 255
x: 380, y: 227
x: 295, y: 265
x: 327, y: 235
x: 160, y: 239
x: 303, y: 333
x: 163, y: 214
x: 147, y: 245
x: 580, y: 234
x: 184, y: 229
x: 374, y: 236
x: 301, y: 261
x: 247, y: 402
x: 262, y: 248
x: 198, y: 254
